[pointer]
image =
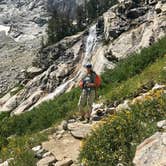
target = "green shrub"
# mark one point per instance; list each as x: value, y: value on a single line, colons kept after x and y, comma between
x: 3, y: 142
x: 24, y: 159
x: 115, y: 141
x: 41, y: 117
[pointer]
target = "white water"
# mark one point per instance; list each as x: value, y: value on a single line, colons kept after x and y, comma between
x: 89, y: 47
x: 90, y: 44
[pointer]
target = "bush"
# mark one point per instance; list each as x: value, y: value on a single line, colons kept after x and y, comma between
x: 25, y: 159
x: 116, y: 139
x: 41, y: 117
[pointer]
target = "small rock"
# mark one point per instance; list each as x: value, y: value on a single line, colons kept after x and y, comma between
x: 47, y: 161
x: 60, y: 132
x: 71, y: 121
x: 33, y: 71
x: 124, y: 106
x: 38, y: 156
x: 79, y: 130
x: 39, y: 153
x: 158, y: 7
x: 152, y: 2
x: 66, y: 162
x: 46, y: 154
x: 110, y: 110
x: 162, y: 124
x: 37, y: 148
x: 64, y: 125
x: 4, y: 163
x: 59, y: 136
x: 100, y: 112
x: 157, y: 86
x: 96, y: 118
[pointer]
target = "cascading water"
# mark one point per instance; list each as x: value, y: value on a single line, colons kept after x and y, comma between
x: 90, y: 44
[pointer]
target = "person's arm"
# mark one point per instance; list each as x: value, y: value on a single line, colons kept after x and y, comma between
x: 91, y: 85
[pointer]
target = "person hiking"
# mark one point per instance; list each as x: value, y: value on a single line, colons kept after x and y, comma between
x: 88, y: 95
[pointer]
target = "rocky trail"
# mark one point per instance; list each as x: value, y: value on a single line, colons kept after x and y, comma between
x: 63, y: 146
x: 59, y: 67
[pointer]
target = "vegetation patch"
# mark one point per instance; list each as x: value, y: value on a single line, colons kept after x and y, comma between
x: 116, y: 139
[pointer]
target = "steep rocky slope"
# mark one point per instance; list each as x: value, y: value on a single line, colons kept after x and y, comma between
x: 123, y: 29
x: 23, y: 24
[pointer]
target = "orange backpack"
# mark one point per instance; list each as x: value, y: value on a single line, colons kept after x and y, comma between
x: 98, y: 81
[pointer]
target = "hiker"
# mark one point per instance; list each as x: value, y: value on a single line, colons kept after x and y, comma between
x: 88, y: 85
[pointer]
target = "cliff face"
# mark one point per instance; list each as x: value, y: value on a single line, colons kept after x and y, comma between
x: 123, y: 29
x: 23, y: 24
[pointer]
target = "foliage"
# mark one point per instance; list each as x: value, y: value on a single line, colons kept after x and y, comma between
x: 42, y: 117
x: 61, y: 25
x: 19, y: 148
x: 124, y: 82
x: 116, y: 139
x: 139, y: 83
x: 26, y: 158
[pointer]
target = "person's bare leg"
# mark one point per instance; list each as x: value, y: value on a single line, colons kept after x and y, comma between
x: 90, y: 100
x: 81, y: 106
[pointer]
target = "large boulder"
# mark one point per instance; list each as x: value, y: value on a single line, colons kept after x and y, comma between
x: 79, y: 130
x: 152, y: 151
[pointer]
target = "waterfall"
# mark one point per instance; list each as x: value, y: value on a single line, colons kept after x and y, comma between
x: 90, y: 44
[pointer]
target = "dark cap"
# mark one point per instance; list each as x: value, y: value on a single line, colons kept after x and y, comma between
x: 88, y: 65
